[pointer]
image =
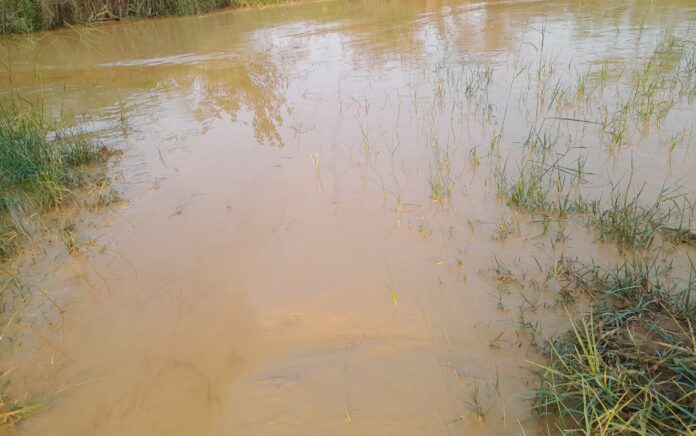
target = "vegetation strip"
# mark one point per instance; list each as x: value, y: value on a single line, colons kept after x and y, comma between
x: 627, y: 366
x: 25, y: 16
x: 44, y: 166
x: 630, y: 365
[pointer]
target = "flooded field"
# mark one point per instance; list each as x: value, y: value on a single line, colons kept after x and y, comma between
x: 345, y: 217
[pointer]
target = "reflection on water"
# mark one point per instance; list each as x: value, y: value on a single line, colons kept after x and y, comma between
x: 258, y: 85
x: 254, y: 54
x: 343, y: 279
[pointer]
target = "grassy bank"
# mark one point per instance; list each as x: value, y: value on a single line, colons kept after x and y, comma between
x: 24, y: 16
x: 629, y: 367
x: 42, y: 164
x: 43, y: 167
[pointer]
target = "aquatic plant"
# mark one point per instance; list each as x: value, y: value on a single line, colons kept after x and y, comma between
x: 629, y: 366
x: 41, y: 164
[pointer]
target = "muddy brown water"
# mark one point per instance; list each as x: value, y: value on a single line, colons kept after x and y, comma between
x: 283, y: 262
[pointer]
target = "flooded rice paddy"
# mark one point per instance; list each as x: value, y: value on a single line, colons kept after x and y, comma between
x: 325, y: 223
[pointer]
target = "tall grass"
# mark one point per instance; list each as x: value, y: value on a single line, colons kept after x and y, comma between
x: 633, y: 223
x: 22, y: 16
x: 630, y: 366
x: 545, y: 186
x: 41, y: 164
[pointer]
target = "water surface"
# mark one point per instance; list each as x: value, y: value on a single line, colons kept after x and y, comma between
x: 312, y: 222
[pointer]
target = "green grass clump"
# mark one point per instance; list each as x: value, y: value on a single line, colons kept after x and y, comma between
x: 41, y: 164
x: 530, y: 192
x: 630, y: 366
x: 19, y: 16
x: 632, y: 223
x: 627, y: 221
x: 543, y: 185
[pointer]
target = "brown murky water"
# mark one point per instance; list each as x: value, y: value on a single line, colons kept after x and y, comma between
x: 311, y: 215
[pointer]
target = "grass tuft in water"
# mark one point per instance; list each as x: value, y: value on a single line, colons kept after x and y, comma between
x: 629, y: 367
x: 12, y: 411
x: 41, y: 164
x: 632, y: 223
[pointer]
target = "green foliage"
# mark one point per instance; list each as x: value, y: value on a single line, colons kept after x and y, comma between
x: 24, y: 16
x: 40, y: 166
x: 630, y: 366
x: 19, y: 16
